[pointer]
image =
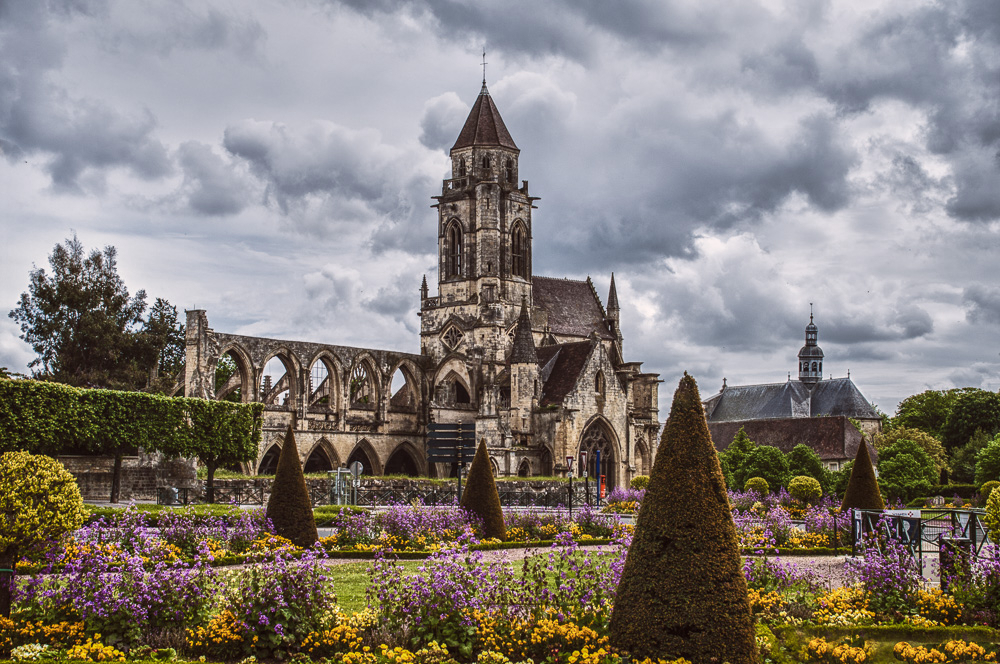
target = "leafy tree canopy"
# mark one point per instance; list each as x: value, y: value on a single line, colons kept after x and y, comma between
x: 931, y: 445
x: 975, y: 409
x: 85, y: 326
x: 770, y: 463
x: 963, y: 459
x: 988, y: 462
x: 803, y: 460
x: 906, y: 470
x: 735, y: 457
x: 928, y: 410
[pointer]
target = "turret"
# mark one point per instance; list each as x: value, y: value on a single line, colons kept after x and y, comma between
x: 523, y: 364
x: 811, y: 355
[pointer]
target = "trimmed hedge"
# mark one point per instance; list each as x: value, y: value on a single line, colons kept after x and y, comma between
x: 862, y: 489
x: 965, y: 491
x: 289, y: 508
x: 682, y: 592
x: 481, y: 497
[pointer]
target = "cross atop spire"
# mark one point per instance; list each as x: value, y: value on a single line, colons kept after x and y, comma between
x: 484, y: 66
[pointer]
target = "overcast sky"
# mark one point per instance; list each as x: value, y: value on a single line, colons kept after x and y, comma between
x: 273, y: 162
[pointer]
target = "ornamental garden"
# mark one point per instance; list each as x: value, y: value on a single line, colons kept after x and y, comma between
x: 679, y: 567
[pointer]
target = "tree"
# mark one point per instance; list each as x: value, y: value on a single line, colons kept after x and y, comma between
x: 988, y: 463
x: 931, y: 445
x: 805, y: 489
x: 682, y: 592
x: 862, y: 489
x: 906, y: 470
x: 39, y: 503
x: 735, y: 457
x: 86, y: 328
x: 481, y: 497
x: 163, y: 345
x: 839, y: 479
x: 963, y: 459
x: 770, y: 463
x: 974, y: 409
x: 803, y: 460
x: 289, y: 507
x: 928, y: 410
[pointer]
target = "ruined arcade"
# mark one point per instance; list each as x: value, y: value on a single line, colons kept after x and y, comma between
x: 536, y: 363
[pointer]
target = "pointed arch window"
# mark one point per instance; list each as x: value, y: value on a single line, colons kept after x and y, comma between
x: 461, y: 167
x: 599, y: 385
x: 453, y: 250
x: 509, y: 171
x: 518, y: 252
x: 362, y: 388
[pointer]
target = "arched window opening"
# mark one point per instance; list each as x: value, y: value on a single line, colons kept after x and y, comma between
x: 821, y: 367
x: 545, y: 461
x: 453, y: 250
x: 320, y: 386
x: 597, y: 439
x: 509, y: 171
x: 229, y: 377
x: 362, y: 388
x: 495, y: 467
x: 599, y: 385
x: 403, y: 398
x: 486, y: 162
x: 276, y: 383
x: 815, y: 367
x: 269, y: 462
x: 524, y: 470
x: 461, y: 394
x: 319, y: 461
x: 401, y: 462
x: 360, y: 454
x: 461, y: 168
x: 519, y: 262
x: 642, y: 465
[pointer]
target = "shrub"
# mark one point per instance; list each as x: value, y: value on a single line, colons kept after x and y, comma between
x: 985, y: 490
x: 805, y: 489
x: 289, y: 508
x: 803, y: 460
x: 480, y: 496
x: 639, y: 482
x: 992, y: 519
x: 757, y: 484
x: 770, y: 463
x: 862, y: 489
x: 39, y: 503
x: 682, y: 591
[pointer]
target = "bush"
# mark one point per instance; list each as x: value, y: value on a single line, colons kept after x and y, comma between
x: 682, y: 592
x: 480, y: 495
x: 967, y: 491
x: 770, y: 463
x: 992, y: 519
x: 862, y: 489
x: 986, y: 490
x: 805, y: 489
x: 803, y: 460
x: 639, y: 482
x: 39, y: 504
x: 757, y: 484
x: 289, y: 508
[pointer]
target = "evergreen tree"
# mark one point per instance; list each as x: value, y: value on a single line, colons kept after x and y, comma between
x: 862, y: 489
x: 736, y: 456
x: 682, y: 591
x: 481, y: 497
x: 289, y: 507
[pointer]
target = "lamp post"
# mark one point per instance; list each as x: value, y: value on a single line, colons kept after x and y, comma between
x: 586, y: 476
x: 569, y: 473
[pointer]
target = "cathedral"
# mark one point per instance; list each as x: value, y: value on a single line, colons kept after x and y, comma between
x: 536, y: 364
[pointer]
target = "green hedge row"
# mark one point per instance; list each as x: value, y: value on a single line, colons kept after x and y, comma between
x: 48, y: 418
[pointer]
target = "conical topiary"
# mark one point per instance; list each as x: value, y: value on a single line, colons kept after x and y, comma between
x: 480, y: 496
x: 862, y: 489
x: 289, y: 507
x: 682, y: 592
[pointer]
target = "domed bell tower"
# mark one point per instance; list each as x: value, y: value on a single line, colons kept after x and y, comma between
x: 811, y: 355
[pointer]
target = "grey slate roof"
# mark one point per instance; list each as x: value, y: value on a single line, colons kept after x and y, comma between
x: 523, y: 350
x: 572, y: 306
x: 484, y: 126
x: 836, y: 396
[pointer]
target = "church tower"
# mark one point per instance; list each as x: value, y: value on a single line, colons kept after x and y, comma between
x: 484, y: 236
x: 811, y: 356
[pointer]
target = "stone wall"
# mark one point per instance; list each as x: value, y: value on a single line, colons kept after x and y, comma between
x: 140, y: 475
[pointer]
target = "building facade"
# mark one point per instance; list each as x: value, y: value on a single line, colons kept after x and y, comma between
x: 816, y: 412
x: 534, y: 363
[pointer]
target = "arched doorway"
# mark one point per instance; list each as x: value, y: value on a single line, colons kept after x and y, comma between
x: 320, y: 460
x: 402, y: 462
x: 366, y: 455
x: 597, y: 438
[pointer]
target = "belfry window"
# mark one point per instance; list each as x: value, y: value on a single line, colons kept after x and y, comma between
x: 518, y: 262
x: 453, y: 251
x: 486, y: 162
x: 461, y: 168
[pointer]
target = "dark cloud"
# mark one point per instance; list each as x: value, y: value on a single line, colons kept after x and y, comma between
x: 162, y: 28
x: 977, y: 179
x: 442, y: 121
x: 211, y: 185
x: 982, y: 304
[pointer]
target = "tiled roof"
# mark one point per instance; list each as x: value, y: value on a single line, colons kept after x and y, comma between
x: 523, y: 350
x: 573, y: 308
x: 836, y: 396
x: 561, y: 366
x: 484, y: 126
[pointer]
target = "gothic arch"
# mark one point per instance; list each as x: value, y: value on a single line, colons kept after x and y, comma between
x: 524, y: 468
x: 363, y: 384
x: 242, y: 378
x: 643, y: 464
x: 403, y: 461
x: 292, y: 377
x: 321, y: 458
x: 454, y: 245
x: 519, y: 250
x: 366, y: 454
x: 599, y: 435
x: 451, y: 374
x: 269, y: 461
x: 412, y: 399
x: 327, y: 392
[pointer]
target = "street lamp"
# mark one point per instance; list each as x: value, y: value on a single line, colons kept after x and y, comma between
x: 569, y: 473
x: 586, y: 476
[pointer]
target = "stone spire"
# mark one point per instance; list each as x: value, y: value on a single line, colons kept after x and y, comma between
x: 423, y: 289
x: 523, y: 350
x: 484, y: 126
x: 613, y: 308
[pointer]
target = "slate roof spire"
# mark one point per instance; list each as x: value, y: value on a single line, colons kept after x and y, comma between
x: 523, y: 351
x: 613, y: 297
x: 484, y: 126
